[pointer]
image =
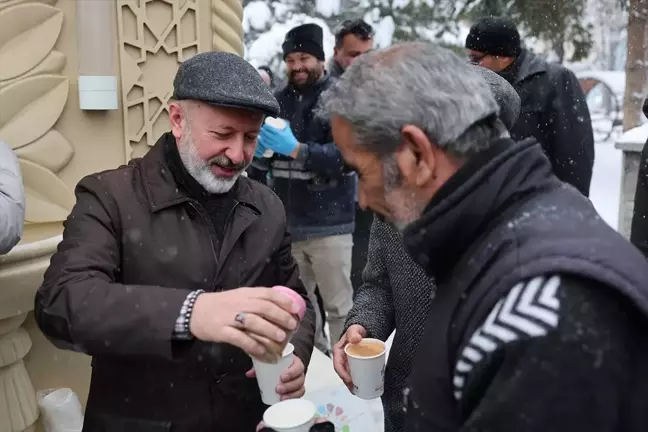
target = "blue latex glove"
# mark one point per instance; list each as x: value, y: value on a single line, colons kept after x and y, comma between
x: 280, y: 141
x: 260, y: 148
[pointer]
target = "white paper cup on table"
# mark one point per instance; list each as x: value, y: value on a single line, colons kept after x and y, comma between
x: 269, y: 375
x: 367, y: 366
x: 293, y: 415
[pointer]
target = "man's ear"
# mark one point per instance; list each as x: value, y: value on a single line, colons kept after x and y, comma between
x: 177, y: 118
x: 422, y: 160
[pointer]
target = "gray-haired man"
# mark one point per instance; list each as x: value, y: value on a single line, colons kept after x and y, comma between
x: 538, y: 322
x: 396, y: 294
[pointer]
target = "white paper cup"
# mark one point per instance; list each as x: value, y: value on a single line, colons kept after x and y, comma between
x: 269, y: 375
x: 368, y: 373
x: 293, y: 415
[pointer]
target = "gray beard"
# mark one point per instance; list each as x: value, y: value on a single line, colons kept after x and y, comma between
x: 200, y: 170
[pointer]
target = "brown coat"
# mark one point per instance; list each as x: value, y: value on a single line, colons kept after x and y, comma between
x: 133, y: 247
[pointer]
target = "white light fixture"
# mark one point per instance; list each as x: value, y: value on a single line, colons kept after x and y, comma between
x: 97, y: 47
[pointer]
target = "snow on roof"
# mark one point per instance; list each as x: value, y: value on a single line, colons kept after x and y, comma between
x: 613, y: 79
x: 638, y: 135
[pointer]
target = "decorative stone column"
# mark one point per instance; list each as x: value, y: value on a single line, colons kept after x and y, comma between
x: 227, y: 27
x: 631, y: 143
x: 19, y: 407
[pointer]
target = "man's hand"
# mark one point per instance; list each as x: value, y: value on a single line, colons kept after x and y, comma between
x: 280, y: 141
x: 226, y: 317
x: 292, y: 380
x: 353, y: 335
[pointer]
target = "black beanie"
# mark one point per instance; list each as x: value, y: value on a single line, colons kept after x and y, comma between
x: 496, y: 36
x: 306, y: 38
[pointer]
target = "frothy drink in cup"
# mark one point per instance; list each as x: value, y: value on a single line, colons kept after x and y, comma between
x: 367, y: 366
x: 276, y: 123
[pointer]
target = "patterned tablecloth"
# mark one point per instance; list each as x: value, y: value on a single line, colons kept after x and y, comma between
x: 334, y: 401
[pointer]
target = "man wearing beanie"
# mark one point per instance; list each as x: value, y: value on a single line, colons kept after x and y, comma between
x: 306, y: 170
x: 554, y: 110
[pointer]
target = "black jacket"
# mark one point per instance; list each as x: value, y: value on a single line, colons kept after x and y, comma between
x: 539, y: 316
x: 639, y: 229
x: 555, y: 112
x: 139, y: 239
x: 317, y: 190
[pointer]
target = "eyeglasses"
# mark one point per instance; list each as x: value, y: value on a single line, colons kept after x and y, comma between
x: 476, y: 59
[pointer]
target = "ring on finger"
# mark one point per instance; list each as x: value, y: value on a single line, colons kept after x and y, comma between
x: 240, y: 318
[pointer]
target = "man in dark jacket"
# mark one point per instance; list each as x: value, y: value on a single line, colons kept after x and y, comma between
x: 554, y: 109
x: 352, y: 39
x: 396, y: 293
x: 639, y: 228
x: 150, y: 276
x: 539, y: 317
x: 309, y: 175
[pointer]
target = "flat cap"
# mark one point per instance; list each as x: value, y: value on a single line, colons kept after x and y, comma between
x: 505, y: 95
x: 226, y: 80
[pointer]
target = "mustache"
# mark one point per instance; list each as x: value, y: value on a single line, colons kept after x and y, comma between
x: 226, y: 163
x: 295, y: 72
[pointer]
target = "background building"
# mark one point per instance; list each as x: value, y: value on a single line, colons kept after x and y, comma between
x: 84, y: 87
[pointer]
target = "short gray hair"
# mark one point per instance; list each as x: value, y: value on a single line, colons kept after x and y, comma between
x: 415, y: 83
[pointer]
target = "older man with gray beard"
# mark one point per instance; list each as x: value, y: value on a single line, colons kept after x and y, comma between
x: 164, y: 272
x: 538, y: 322
x: 396, y: 294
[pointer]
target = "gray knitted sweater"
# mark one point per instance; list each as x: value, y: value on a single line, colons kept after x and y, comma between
x: 395, y: 295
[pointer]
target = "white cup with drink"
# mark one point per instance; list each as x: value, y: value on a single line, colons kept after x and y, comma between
x: 367, y: 367
x: 276, y: 123
x: 293, y: 415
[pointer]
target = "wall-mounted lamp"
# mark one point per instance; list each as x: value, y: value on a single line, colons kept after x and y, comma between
x: 97, y: 46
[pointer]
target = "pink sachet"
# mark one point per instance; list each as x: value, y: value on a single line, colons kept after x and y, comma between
x: 296, y: 298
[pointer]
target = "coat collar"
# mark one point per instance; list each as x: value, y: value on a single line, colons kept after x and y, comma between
x: 167, y: 183
x: 530, y: 64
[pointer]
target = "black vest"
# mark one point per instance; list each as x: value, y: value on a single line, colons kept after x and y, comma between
x: 503, y: 218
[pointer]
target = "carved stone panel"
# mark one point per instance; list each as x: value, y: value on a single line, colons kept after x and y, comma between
x: 33, y: 94
x: 155, y: 36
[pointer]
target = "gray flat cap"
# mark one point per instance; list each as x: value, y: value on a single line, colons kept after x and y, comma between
x: 505, y: 95
x: 226, y: 80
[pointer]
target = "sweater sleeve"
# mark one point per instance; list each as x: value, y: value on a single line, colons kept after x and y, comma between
x: 553, y: 355
x: 373, y: 306
x: 12, y: 199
